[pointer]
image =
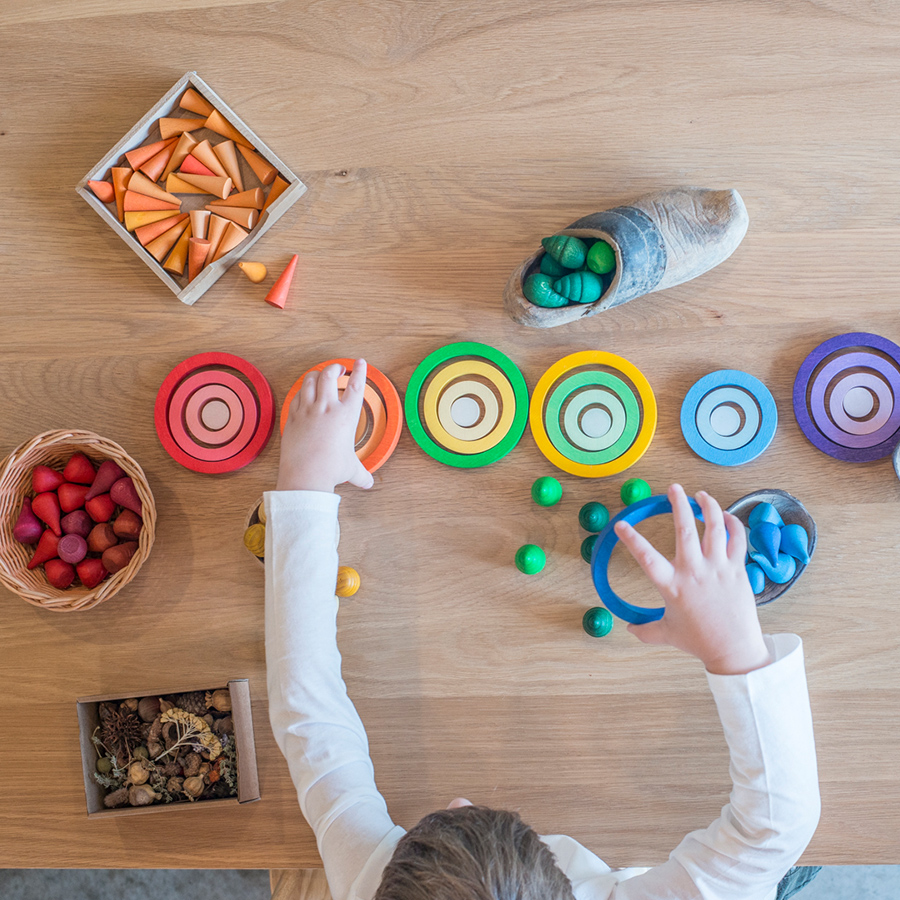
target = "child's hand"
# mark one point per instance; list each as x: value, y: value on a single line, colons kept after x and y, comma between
x: 710, y: 609
x: 317, y: 444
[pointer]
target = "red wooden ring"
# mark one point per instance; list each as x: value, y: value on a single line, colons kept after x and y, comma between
x: 196, y: 404
x: 265, y: 400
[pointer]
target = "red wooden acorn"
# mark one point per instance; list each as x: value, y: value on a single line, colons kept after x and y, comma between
x: 46, y: 549
x: 116, y: 558
x: 46, y: 507
x: 101, y: 538
x: 79, y: 469
x: 91, y: 571
x: 28, y: 528
x: 59, y: 573
x: 107, y: 475
x: 123, y: 493
x: 71, y: 496
x: 77, y: 522
x: 128, y: 525
x: 44, y: 479
x: 100, y: 508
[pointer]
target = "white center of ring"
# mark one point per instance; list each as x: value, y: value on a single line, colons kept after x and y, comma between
x: 215, y: 415
x: 858, y: 402
x: 725, y: 420
x: 465, y: 411
x: 596, y: 422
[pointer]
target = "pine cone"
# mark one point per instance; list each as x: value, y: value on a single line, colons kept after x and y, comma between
x: 193, y: 702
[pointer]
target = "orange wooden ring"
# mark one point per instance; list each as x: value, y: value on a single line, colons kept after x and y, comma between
x: 393, y: 410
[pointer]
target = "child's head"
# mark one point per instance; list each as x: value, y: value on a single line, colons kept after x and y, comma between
x: 473, y: 853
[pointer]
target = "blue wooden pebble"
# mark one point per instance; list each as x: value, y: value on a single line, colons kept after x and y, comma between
x: 766, y: 538
x: 781, y: 573
x: 764, y: 512
x: 795, y: 542
x: 757, y: 578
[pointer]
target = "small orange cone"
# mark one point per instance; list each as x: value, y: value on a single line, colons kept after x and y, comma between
x: 154, y: 166
x: 252, y: 199
x: 177, y: 259
x: 278, y: 293
x: 279, y: 186
x: 193, y: 102
x: 233, y: 235
x: 169, y: 128
x: 214, y: 231
x: 265, y: 172
x: 120, y: 176
x: 227, y: 155
x: 176, y: 185
x: 147, y: 233
x: 159, y: 247
x: 103, y: 190
x: 184, y: 146
x: 134, y: 202
x: 217, y: 122
x: 141, y: 184
x: 199, y: 221
x: 239, y: 214
x: 198, y: 250
x: 146, y: 217
x: 140, y: 155
x: 204, y: 152
x: 255, y: 271
x: 192, y: 166
x: 209, y: 184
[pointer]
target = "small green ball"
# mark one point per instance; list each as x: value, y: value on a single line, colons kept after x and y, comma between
x: 546, y: 491
x: 530, y: 559
x: 601, y: 258
x: 104, y: 765
x: 587, y: 547
x: 549, y: 266
x: 141, y: 753
x: 593, y: 516
x: 538, y: 289
x: 597, y: 621
x: 633, y: 490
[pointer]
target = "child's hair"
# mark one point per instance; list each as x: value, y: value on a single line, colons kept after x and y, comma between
x: 473, y: 853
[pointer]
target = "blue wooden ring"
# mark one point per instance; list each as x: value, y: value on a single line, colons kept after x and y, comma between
x: 606, y: 542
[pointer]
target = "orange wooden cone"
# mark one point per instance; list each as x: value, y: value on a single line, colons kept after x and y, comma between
x: 147, y: 233
x: 214, y: 231
x: 210, y: 184
x: 159, y: 247
x: 176, y: 185
x: 265, y: 172
x: 252, y: 199
x: 177, y: 259
x: 217, y: 122
x: 279, y: 186
x: 154, y: 166
x: 169, y: 128
x: 184, y: 146
x: 193, y: 166
x: 278, y: 293
x: 227, y: 155
x: 234, y: 234
x: 120, y: 177
x: 198, y: 250
x: 193, y: 102
x: 140, y: 155
x: 146, y: 217
x: 238, y: 214
x: 103, y: 190
x: 141, y: 184
x: 135, y: 201
x: 205, y: 153
x: 199, y: 222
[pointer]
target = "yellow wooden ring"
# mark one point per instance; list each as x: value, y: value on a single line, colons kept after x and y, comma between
x: 648, y: 418
x: 444, y: 377
x: 490, y: 409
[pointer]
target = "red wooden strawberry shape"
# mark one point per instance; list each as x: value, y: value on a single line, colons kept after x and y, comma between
x: 78, y: 522
x: 28, y: 528
x: 44, y: 479
x: 100, y: 508
x: 107, y: 475
x: 123, y: 493
x: 71, y: 496
x: 91, y: 572
x: 79, y: 469
x: 59, y: 573
x: 46, y: 507
x: 46, y: 549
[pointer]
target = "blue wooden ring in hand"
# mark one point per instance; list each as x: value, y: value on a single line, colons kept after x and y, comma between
x: 603, y: 548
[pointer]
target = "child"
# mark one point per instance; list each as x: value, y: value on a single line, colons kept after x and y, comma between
x: 476, y: 853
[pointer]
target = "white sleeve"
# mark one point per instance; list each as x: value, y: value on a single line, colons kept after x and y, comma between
x: 316, y: 725
x: 774, y: 804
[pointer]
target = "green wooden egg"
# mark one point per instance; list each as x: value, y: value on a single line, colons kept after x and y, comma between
x: 539, y: 290
x: 582, y: 287
x: 549, y: 266
x: 567, y: 250
x: 601, y: 258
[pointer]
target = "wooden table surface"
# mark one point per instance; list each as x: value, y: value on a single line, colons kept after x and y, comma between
x: 440, y: 141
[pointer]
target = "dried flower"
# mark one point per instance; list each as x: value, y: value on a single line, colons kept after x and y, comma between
x: 191, y: 730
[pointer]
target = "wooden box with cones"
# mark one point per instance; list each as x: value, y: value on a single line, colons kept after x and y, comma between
x: 190, y: 188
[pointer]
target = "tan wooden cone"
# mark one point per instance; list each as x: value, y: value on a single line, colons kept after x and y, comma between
x: 220, y: 187
x: 137, y: 157
x: 193, y: 102
x: 141, y: 184
x: 159, y: 247
x: 264, y: 171
x: 177, y: 259
x: 234, y: 234
x: 147, y: 233
x: 228, y: 157
x: 198, y: 251
x: 136, y: 219
x: 214, y: 231
x: 121, y: 175
x: 252, y: 199
x: 184, y: 146
x: 170, y: 128
x: 154, y: 166
x: 220, y: 125
x: 241, y: 215
x: 199, y: 223
x: 103, y: 190
x: 204, y: 152
x: 134, y: 202
x: 177, y: 185
x: 279, y: 186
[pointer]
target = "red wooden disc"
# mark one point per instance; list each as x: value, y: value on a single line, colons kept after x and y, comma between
x: 225, y: 402
x: 264, y: 400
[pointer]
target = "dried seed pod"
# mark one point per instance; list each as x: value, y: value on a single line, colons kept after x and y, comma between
x: 173, y: 785
x: 131, y: 704
x: 193, y: 787
x: 154, y: 749
x: 104, y: 765
x: 165, y: 705
x: 192, y: 702
x: 223, y: 726
x: 219, y: 700
x: 208, y: 719
x: 116, y: 798
x: 138, y: 772
x: 107, y: 710
x: 191, y: 764
x: 204, y: 770
x: 141, y: 752
x: 148, y: 708
x: 142, y: 795
x: 170, y: 769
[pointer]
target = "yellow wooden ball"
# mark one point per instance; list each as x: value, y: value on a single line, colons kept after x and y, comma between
x: 255, y: 540
x: 261, y: 512
x: 347, y: 582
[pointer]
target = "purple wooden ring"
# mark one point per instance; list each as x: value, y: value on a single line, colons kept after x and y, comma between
x: 874, y: 386
x: 811, y: 428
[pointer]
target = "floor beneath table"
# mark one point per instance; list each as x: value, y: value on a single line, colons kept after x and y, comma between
x: 833, y: 883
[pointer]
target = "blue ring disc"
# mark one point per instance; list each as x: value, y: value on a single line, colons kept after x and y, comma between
x: 606, y: 542
x: 716, y: 398
x: 743, y: 383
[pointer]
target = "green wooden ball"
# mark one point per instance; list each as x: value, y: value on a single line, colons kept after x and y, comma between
x: 538, y: 288
x: 597, y: 621
x: 530, y: 559
x: 633, y: 490
x: 593, y: 516
x: 580, y: 287
x: 546, y: 491
x: 587, y: 547
x: 569, y: 251
x: 601, y: 258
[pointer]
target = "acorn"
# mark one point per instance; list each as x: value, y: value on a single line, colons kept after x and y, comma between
x: 193, y: 787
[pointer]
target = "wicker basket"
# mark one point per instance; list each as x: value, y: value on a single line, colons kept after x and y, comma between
x: 53, y: 448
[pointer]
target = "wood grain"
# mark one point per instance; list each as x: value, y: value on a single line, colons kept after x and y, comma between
x: 440, y: 141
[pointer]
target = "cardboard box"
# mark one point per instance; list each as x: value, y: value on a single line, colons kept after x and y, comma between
x: 247, y: 772
x: 147, y: 132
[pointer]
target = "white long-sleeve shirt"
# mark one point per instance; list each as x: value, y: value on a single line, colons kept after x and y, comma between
x: 771, y: 815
